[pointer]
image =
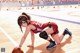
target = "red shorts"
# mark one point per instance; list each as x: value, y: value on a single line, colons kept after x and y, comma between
x: 53, y: 25
x: 55, y: 29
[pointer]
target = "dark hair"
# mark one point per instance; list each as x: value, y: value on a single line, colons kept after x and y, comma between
x: 26, y: 15
x: 22, y: 18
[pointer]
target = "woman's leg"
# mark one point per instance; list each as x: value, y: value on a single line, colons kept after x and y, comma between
x: 58, y: 38
x: 44, y: 34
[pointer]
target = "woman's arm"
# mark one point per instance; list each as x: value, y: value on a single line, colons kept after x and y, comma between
x: 32, y: 38
x: 24, y: 36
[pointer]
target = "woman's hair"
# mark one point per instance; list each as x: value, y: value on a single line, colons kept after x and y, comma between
x: 26, y: 15
x: 23, y: 18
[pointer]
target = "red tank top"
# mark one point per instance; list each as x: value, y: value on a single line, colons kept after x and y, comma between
x: 39, y: 26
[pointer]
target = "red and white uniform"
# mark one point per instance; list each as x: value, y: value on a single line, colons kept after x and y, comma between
x: 40, y: 26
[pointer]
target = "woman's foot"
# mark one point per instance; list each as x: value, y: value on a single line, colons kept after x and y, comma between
x: 66, y: 31
x: 51, y: 45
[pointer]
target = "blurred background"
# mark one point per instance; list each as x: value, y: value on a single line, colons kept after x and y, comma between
x: 7, y: 4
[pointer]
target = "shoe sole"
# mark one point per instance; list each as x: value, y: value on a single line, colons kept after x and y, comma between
x: 51, y: 47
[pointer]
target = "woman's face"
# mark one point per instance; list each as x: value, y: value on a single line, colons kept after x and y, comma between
x: 24, y: 24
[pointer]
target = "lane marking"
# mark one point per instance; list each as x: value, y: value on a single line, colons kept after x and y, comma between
x: 64, y: 20
x: 9, y: 37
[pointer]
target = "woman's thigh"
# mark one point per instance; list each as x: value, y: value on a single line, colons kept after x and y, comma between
x: 56, y: 38
x: 48, y: 30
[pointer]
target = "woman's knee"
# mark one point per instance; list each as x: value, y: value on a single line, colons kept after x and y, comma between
x: 43, y: 35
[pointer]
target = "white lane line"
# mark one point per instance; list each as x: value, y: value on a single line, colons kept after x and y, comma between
x: 9, y: 37
x: 75, y: 50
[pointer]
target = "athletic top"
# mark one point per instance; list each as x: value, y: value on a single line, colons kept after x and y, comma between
x: 39, y: 26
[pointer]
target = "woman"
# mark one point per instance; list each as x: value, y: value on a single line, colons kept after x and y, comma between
x: 34, y: 27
